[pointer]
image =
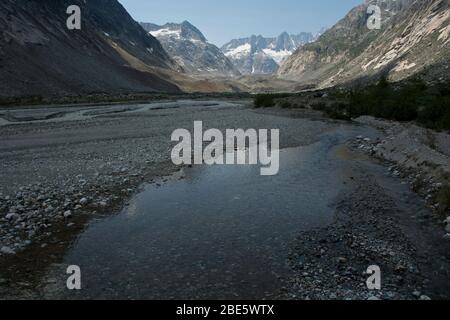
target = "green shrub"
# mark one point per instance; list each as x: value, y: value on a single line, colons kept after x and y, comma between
x: 413, y: 100
x: 443, y: 199
x: 267, y: 100
x: 338, y: 111
x: 285, y: 104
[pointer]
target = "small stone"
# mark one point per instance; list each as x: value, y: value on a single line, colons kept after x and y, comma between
x: 425, y: 298
x: 416, y: 294
x: 67, y: 214
x: 342, y: 260
x: 400, y: 268
x: 83, y: 201
x: 447, y: 228
x: 447, y: 236
x: 7, y: 250
x: 373, y: 298
x: 11, y: 216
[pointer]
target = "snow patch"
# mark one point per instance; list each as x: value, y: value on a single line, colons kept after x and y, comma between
x: 166, y: 33
x: 239, y: 51
x: 278, y: 56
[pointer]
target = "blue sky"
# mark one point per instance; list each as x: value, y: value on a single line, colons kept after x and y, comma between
x: 223, y: 20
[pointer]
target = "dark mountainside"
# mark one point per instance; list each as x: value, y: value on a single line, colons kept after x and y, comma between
x: 414, y: 37
x: 39, y: 56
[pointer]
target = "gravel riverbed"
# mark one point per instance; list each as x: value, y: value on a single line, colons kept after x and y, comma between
x: 62, y: 167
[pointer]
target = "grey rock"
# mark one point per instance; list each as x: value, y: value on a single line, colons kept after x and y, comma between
x: 447, y: 228
x: 373, y: 298
x: 12, y: 216
x: 7, y: 250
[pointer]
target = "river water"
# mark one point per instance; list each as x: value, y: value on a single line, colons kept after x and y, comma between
x: 213, y: 232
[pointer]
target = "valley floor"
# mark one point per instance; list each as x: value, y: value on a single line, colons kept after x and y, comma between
x: 62, y: 167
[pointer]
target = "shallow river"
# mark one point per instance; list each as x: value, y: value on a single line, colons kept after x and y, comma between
x: 213, y: 231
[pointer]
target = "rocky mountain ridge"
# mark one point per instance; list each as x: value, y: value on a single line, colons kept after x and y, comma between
x: 191, y: 50
x: 414, y: 35
x: 260, y: 55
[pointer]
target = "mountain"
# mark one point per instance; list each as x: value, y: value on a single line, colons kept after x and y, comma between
x: 39, y: 56
x: 414, y: 37
x: 259, y: 55
x: 190, y: 49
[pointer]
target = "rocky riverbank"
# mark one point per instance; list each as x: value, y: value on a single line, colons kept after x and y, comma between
x: 409, y: 243
x: 418, y: 156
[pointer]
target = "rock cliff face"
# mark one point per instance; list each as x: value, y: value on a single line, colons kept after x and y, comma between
x: 40, y: 56
x: 414, y: 36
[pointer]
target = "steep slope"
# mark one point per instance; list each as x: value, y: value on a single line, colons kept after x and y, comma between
x: 260, y: 55
x: 189, y: 47
x: 39, y: 56
x: 414, y: 35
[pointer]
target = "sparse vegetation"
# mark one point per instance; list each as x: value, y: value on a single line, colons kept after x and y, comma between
x: 268, y: 100
x: 443, y: 198
x: 285, y: 104
x: 412, y: 100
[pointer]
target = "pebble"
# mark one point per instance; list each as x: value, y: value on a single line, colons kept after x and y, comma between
x: 67, y: 214
x: 11, y: 216
x: 416, y: 294
x: 342, y: 260
x: 7, y: 250
x: 425, y: 298
x: 83, y: 201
